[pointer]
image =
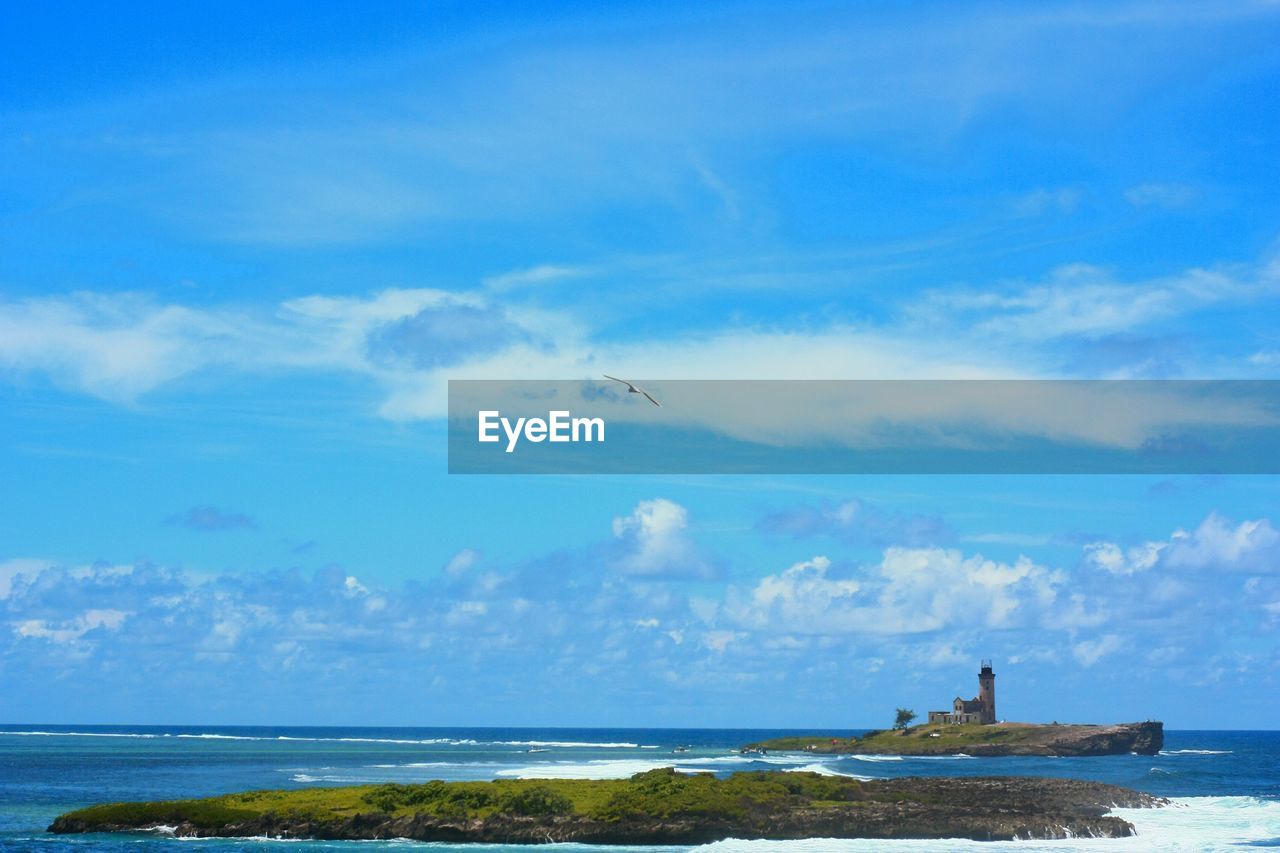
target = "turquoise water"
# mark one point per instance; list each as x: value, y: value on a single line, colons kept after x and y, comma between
x: 1226, y: 785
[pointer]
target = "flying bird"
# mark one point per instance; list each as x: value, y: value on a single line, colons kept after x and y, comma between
x: 634, y: 389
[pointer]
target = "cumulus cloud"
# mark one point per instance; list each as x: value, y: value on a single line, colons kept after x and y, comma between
x: 68, y: 631
x: 800, y: 599
x: 1218, y: 543
x: 654, y: 541
x: 210, y: 519
x: 17, y: 569
x: 561, y: 621
x: 911, y: 590
x: 1110, y: 557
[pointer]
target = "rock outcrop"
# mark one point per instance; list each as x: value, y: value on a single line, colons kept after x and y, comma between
x: 661, y: 807
x: 986, y: 740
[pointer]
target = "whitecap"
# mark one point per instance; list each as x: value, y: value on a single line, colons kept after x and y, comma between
x: 569, y: 744
x: 82, y: 734
x: 1189, y: 824
x: 824, y: 770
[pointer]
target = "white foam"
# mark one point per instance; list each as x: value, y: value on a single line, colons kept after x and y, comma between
x: 622, y: 768
x: 80, y: 734
x: 440, y: 741
x: 256, y: 839
x: 1195, y: 752
x: 602, y: 769
x: 570, y: 744
x: 823, y: 770
x: 420, y: 764
x: 307, y: 778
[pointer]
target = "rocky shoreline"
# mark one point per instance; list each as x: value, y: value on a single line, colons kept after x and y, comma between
x: 658, y: 807
x: 997, y: 739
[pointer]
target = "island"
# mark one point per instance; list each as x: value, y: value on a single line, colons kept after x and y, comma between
x: 656, y: 807
x: 971, y: 727
x: 982, y: 740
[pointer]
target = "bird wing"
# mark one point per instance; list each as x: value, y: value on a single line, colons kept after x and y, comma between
x: 650, y: 396
x: 631, y: 386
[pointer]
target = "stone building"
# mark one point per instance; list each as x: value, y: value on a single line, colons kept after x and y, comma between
x: 980, y: 709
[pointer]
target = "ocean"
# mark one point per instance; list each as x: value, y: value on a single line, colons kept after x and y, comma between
x: 1225, y: 786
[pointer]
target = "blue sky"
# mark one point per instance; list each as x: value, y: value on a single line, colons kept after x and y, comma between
x: 242, y: 252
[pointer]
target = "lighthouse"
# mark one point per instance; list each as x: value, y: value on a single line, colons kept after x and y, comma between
x: 987, y: 692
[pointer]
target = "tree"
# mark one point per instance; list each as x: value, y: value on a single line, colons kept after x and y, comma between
x: 904, y: 718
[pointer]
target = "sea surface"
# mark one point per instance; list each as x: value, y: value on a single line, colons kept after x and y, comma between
x: 1225, y: 785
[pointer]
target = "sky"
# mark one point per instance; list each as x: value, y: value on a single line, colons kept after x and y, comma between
x: 242, y: 250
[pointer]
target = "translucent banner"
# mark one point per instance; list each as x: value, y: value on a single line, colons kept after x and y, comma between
x: 637, y: 426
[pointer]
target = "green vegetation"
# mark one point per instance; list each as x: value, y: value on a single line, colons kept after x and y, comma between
x: 657, y: 807
x: 928, y: 739
x: 662, y: 793
x: 904, y: 718
x: 994, y: 739
x: 206, y: 814
x: 805, y: 743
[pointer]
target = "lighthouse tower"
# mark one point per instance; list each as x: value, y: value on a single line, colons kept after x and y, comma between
x: 987, y: 692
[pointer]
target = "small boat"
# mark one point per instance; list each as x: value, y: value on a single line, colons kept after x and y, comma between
x: 681, y: 749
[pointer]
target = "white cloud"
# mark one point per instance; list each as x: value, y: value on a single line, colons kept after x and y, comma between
x: 1160, y: 195
x: 1041, y: 201
x: 541, y: 274
x: 1112, y: 558
x: 461, y: 562
x: 1086, y: 300
x: 407, y: 342
x: 71, y: 630
x: 19, y: 568
x: 800, y: 595
x: 911, y: 590
x: 1218, y: 543
x: 655, y: 541
x: 1089, y: 652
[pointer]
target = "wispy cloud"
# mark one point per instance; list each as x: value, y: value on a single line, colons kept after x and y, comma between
x: 570, y: 123
x: 1086, y: 300
x: 210, y: 519
x: 1160, y: 195
x: 858, y: 522
x: 533, y: 277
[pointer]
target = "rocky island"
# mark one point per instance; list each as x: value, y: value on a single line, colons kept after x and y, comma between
x: 994, y: 739
x: 656, y: 807
x: 971, y: 727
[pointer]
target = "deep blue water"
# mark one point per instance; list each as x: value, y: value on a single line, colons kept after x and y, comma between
x: 45, y: 770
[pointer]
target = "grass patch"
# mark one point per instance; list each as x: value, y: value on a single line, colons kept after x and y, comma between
x: 662, y: 793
